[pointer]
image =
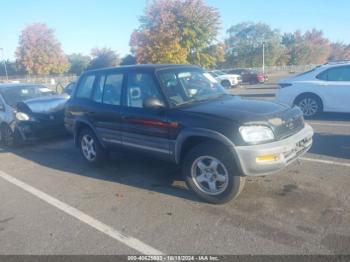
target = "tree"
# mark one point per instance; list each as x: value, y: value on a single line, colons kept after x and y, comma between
x: 104, y: 57
x: 318, y: 46
x: 78, y: 63
x: 308, y: 48
x: 198, y: 25
x: 39, y: 52
x: 128, y: 60
x: 178, y: 31
x: 158, y: 38
x: 245, y: 41
x: 339, y: 51
x: 12, y: 68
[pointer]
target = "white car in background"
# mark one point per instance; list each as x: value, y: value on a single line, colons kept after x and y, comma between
x: 226, y: 80
x: 325, y: 88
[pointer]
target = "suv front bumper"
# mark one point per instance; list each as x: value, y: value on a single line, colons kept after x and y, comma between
x: 265, y: 159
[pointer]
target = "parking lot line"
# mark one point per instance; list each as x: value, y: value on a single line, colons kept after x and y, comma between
x: 328, y: 124
x: 98, y: 225
x: 328, y: 162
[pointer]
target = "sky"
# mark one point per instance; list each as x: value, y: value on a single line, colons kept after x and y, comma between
x: 81, y: 25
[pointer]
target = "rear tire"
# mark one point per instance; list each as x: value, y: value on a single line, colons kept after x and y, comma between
x: 311, y: 105
x: 211, y: 173
x: 91, y: 149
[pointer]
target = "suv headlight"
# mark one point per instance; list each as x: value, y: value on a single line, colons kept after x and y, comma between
x: 22, y: 116
x: 256, y: 134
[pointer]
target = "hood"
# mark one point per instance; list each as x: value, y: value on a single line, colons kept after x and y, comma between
x: 43, y: 105
x: 238, y: 109
x: 283, y: 120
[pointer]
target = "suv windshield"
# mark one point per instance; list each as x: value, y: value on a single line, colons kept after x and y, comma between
x: 16, y: 94
x: 184, y: 86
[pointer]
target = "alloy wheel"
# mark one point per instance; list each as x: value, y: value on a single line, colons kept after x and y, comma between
x: 309, y: 106
x: 209, y: 175
x: 88, y: 147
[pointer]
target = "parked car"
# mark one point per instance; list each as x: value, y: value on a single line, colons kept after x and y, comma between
x: 250, y: 76
x: 182, y: 114
x: 226, y: 80
x: 323, y: 89
x: 29, y: 112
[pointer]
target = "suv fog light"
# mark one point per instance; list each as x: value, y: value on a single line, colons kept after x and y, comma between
x: 267, y: 158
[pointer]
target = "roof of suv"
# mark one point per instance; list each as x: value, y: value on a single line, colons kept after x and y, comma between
x: 144, y: 66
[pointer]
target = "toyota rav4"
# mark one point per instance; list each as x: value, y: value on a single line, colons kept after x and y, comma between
x: 180, y: 113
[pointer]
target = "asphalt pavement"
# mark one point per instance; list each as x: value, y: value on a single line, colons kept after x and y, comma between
x: 51, y: 202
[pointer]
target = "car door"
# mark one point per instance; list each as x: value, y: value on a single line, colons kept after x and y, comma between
x: 107, y: 107
x: 335, y: 88
x: 144, y: 129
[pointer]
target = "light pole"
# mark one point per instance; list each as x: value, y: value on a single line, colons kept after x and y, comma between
x: 2, y: 51
x: 263, y: 58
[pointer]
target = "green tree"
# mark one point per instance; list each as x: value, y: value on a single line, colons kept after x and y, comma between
x: 128, y: 60
x: 244, y: 45
x: 78, y: 63
x: 12, y: 68
x: 39, y: 52
x: 178, y: 31
x: 103, y: 57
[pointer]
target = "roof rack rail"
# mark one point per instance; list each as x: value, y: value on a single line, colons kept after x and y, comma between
x: 338, y: 62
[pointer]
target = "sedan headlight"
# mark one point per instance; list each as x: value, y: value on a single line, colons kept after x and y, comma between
x: 256, y: 134
x: 22, y: 116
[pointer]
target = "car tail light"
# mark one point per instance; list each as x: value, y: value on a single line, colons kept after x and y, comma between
x: 283, y: 85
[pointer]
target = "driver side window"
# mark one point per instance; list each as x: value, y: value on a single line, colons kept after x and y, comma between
x: 140, y: 87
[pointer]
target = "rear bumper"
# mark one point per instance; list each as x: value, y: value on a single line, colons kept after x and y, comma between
x: 285, y: 151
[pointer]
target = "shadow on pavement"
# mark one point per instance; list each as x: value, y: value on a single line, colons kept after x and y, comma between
x: 122, y: 167
x: 332, y: 117
x: 331, y: 145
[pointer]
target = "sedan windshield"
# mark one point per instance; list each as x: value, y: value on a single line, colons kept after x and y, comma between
x: 16, y: 94
x: 184, y: 86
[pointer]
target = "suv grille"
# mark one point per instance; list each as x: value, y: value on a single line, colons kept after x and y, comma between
x: 292, y: 122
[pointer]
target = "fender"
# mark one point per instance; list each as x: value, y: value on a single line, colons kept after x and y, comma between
x: 83, y: 121
x: 205, y: 133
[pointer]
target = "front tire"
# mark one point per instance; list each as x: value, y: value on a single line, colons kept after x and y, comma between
x: 226, y: 84
x: 211, y: 173
x: 91, y: 149
x: 8, y: 137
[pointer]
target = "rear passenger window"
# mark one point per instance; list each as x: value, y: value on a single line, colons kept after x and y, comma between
x: 85, y: 87
x: 339, y: 74
x: 335, y: 74
x: 113, y: 89
x: 98, y: 91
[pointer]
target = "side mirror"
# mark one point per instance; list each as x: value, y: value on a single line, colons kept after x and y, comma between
x: 152, y: 102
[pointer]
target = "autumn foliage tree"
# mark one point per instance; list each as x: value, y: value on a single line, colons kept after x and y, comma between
x: 39, y: 52
x: 178, y: 31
